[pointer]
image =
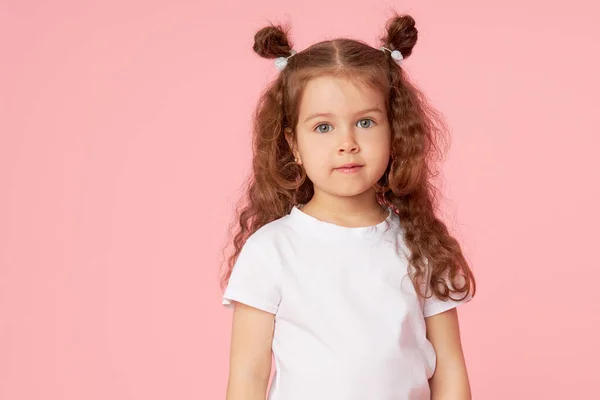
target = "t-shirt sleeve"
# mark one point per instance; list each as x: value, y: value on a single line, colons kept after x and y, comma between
x: 434, y: 305
x: 255, y: 279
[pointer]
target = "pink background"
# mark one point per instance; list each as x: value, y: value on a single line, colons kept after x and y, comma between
x: 124, y: 134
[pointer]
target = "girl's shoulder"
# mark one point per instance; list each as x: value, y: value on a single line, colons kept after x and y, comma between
x: 271, y: 232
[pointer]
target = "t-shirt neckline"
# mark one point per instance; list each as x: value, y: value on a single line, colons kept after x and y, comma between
x: 319, y: 227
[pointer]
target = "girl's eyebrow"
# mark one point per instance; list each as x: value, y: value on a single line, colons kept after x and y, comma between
x: 316, y: 115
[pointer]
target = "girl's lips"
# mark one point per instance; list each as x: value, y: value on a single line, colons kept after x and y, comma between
x: 349, y: 169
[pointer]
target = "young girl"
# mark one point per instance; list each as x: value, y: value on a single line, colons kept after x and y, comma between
x: 341, y: 269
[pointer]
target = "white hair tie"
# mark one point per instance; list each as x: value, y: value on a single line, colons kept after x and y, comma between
x: 281, y: 62
x: 396, y: 54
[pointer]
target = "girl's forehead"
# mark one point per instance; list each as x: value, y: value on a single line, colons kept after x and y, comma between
x: 338, y: 95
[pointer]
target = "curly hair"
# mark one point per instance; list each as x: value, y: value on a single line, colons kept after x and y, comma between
x: 277, y: 183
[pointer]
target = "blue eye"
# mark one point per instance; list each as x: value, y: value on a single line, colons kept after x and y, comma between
x: 361, y: 125
x: 321, y: 131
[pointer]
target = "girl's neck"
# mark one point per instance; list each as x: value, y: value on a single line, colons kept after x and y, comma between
x: 355, y: 211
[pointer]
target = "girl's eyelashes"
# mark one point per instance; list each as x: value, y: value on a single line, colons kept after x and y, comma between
x: 320, y: 125
x: 370, y: 124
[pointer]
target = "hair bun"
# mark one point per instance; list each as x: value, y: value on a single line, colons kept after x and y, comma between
x: 401, y: 34
x: 272, y: 42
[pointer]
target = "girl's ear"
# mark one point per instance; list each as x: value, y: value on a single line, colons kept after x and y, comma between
x: 289, y: 137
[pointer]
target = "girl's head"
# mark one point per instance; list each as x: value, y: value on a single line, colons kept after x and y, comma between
x: 337, y: 102
x: 342, y: 102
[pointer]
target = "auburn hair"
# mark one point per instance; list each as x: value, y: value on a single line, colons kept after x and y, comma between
x: 277, y: 183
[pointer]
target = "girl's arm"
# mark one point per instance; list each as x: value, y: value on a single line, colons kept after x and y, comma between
x: 450, y: 380
x: 250, y: 357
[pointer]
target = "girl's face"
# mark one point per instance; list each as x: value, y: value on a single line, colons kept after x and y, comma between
x: 342, y: 124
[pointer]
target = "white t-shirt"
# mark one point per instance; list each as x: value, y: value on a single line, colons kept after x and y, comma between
x: 348, y: 322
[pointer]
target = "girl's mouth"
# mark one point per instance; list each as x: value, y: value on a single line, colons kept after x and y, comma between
x: 349, y: 168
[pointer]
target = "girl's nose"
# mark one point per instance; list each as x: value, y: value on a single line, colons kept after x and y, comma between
x: 348, y: 144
